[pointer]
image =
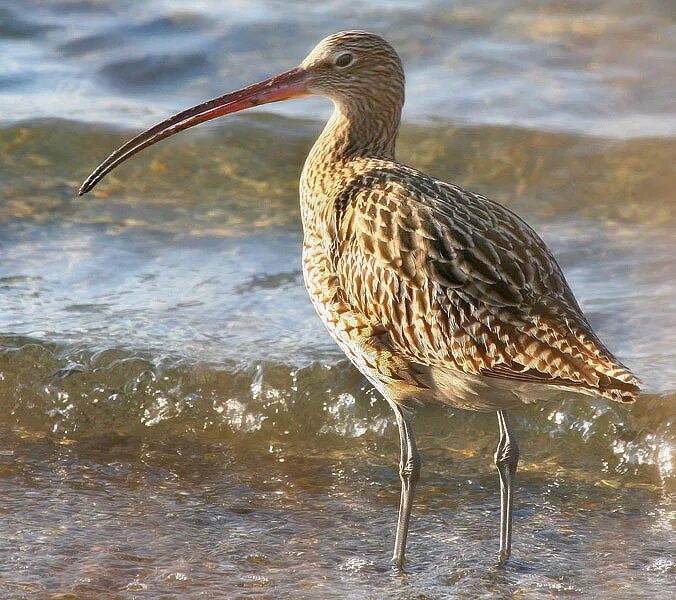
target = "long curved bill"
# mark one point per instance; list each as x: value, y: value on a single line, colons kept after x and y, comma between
x: 291, y: 84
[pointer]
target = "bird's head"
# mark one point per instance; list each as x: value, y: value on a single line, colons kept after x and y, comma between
x: 354, y: 66
x: 350, y: 67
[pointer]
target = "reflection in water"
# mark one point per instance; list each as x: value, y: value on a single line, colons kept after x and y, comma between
x: 174, y: 419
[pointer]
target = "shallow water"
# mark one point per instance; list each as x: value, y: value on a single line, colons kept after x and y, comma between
x: 175, y: 420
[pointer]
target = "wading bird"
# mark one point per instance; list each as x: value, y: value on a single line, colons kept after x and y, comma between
x: 436, y: 294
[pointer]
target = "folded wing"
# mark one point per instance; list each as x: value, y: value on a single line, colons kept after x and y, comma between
x: 460, y: 282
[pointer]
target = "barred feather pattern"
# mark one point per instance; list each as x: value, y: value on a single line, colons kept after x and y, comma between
x: 437, y: 294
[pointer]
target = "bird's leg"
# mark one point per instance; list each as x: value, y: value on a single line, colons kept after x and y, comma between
x: 409, y: 473
x: 506, y: 460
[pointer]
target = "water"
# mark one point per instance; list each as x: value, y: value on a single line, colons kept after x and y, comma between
x: 175, y: 420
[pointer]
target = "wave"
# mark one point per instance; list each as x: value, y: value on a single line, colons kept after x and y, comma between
x: 65, y: 395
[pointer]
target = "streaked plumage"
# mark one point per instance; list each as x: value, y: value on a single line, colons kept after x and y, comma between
x: 435, y: 293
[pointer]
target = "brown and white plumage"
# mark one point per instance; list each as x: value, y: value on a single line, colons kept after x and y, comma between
x: 435, y: 293
x: 455, y: 282
x: 436, y: 283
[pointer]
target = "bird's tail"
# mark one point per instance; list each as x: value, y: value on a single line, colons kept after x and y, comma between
x: 617, y: 382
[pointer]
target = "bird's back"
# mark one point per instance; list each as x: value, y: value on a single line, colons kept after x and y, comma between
x: 458, y: 286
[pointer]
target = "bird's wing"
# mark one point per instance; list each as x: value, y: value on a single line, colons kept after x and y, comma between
x: 461, y: 282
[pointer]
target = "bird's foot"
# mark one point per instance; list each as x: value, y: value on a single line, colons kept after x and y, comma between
x: 503, y: 558
x: 397, y: 563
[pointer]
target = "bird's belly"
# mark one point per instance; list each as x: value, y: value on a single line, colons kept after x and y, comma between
x: 483, y: 393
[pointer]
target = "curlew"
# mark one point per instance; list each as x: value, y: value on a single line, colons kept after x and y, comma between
x: 435, y: 293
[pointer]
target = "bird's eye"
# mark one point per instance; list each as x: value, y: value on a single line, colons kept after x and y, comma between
x: 344, y: 60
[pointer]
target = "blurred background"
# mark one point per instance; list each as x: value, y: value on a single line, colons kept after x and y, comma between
x: 174, y: 418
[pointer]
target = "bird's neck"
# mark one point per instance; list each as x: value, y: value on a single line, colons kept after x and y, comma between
x: 360, y: 130
x: 354, y: 132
